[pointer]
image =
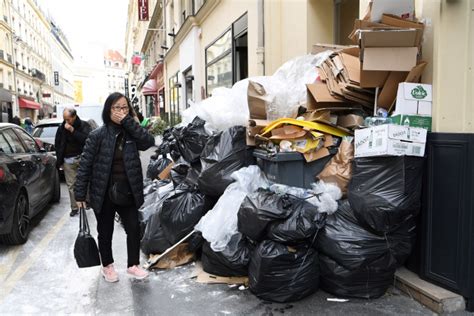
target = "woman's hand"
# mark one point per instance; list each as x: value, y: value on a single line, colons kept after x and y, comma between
x: 81, y: 205
x: 117, y: 117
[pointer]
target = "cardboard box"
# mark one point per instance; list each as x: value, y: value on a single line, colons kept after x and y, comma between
x: 413, y: 121
x: 395, y: 21
x: 388, y: 50
x: 390, y: 140
x: 414, y: 98
x: 253, y: 128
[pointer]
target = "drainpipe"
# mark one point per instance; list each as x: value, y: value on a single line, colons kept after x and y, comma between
x: 261, y: 38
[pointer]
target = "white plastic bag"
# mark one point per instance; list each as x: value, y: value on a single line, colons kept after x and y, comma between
x: 220, y: 223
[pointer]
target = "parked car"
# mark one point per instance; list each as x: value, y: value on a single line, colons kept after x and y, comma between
x: 46, y: 130
x: 29, y: 181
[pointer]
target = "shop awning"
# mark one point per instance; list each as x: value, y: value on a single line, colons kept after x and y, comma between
x: 149, y: 88
x: 27, y: 104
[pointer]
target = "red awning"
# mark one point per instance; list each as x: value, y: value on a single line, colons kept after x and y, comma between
x: 157, y: 70
x: 27, y: 104
x: 149, y: 88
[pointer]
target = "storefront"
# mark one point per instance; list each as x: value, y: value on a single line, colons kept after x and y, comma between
x: 28, y: 108
x: 6, y: 109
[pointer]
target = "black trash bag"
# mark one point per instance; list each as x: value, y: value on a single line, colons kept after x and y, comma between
x: 153, y: 202
x: 384, y: 191
x: 181, y: 211
x: 179, y: 172
x: 258, y: 210
x: 232, y: 261
x: 224, y: 153
x: 195, y: 243
x: 155, y: 167
x: 300, y: 227
x: 358, y: 262
x: 154, y: 240
x: 191, y: 140
x: 281, y: 274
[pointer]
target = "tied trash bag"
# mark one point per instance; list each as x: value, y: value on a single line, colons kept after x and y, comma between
x: 259, y: 209
x: 85, y: 247
x: 155, y: 167
x: 191, y: 140
x: 384, y: 191
x: 301, y: 226
x: 181, y: 211
x: 232, y: 261
x: 220, y: 224
x: 357, y: 262
x: 154, y: 240
x: 153, y: 203
x: 224, y: 153
x: 281, y: 274
x: 183, y: 172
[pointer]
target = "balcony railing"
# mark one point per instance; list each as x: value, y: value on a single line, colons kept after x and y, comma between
x: 38, y: 74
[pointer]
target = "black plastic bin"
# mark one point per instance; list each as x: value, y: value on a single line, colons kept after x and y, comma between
x: 290, y: 168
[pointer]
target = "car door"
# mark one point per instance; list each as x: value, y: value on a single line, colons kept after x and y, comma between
x: 43, y: 162
x: 29, y: 168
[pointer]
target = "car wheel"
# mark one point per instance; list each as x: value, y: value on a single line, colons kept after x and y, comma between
x: 21, y: 223
x: 57, y: 188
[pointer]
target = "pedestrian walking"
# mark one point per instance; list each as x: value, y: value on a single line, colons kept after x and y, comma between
x: 16, y: 120
x: 29, y: 125
x: 111, y: 168
x: 69, y: 142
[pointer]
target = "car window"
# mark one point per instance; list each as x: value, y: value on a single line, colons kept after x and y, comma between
x: 4, y: 145
x: 30, y: 143
x: 46, y: 131
x: 14, y: 141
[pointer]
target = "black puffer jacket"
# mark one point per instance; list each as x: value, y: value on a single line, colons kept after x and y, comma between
x: 96, y: 161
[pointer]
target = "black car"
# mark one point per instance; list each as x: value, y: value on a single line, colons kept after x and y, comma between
x: 29, y: 181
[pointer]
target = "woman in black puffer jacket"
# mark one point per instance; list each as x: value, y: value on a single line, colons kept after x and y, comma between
x: 110, y: 168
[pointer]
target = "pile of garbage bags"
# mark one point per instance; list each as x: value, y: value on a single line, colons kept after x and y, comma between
x: 347, y: 233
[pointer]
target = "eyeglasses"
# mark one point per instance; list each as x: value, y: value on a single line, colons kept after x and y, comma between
x: 120, y: 108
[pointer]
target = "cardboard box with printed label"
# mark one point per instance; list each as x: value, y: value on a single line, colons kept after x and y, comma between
x: 414, y: 98
x: 390, y: 140
x: 413, y: 121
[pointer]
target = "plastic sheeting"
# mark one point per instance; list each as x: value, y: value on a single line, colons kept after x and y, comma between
x: 281, y: 274
x: 286, y: 89
x: 357, y: 262
x: 224, y: 153
x: 384, y: 191
x: 220, y: 223
x: 232, y: 261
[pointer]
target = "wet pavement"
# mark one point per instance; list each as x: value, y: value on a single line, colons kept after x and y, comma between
x: 42, y: 277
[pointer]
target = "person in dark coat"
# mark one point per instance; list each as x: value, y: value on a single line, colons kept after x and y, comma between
x: 69, y: 142
x: 16, y: 120
x: 110, y: 167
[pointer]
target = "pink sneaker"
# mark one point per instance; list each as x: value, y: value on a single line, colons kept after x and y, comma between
x: 137, y: 272
x: 109, y: 273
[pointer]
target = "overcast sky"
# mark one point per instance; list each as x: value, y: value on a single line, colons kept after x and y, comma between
x: 91, y: 26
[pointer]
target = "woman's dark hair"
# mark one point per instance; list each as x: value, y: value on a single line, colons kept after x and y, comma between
x: 111, y: 100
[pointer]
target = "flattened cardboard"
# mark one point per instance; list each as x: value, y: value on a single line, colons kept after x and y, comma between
x: 388, y: 94
x: 350, y: 120
x: 319, y: 48
x: 165, y: 174
x: 288, y: 132
x: 396, y: 21
x: 254, y: 127
x: 401, y: 8
x: 206, y: 278
x: 319, y: 96
x: 257, y: 99
x: 389, y: 58
x: 352, y: 65
x: 177, y: 257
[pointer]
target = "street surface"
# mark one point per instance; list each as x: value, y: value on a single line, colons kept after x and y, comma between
x: 42, y: 277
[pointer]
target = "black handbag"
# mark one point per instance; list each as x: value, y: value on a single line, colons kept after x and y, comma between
x: 85, y: 247
x: 120, y: 193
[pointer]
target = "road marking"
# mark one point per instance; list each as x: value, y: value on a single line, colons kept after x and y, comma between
x: 18, y: 274
x: 10, y: 260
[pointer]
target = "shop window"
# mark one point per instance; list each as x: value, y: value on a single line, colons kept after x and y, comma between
x: 227, y: 57
x: 188, y: 79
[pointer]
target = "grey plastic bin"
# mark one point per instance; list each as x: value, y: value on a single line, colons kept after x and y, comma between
x: 290, y: 168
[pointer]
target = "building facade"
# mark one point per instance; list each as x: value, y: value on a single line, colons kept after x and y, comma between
x: 35, y: 62
x: 115, y: 71
x: 7, y: 81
